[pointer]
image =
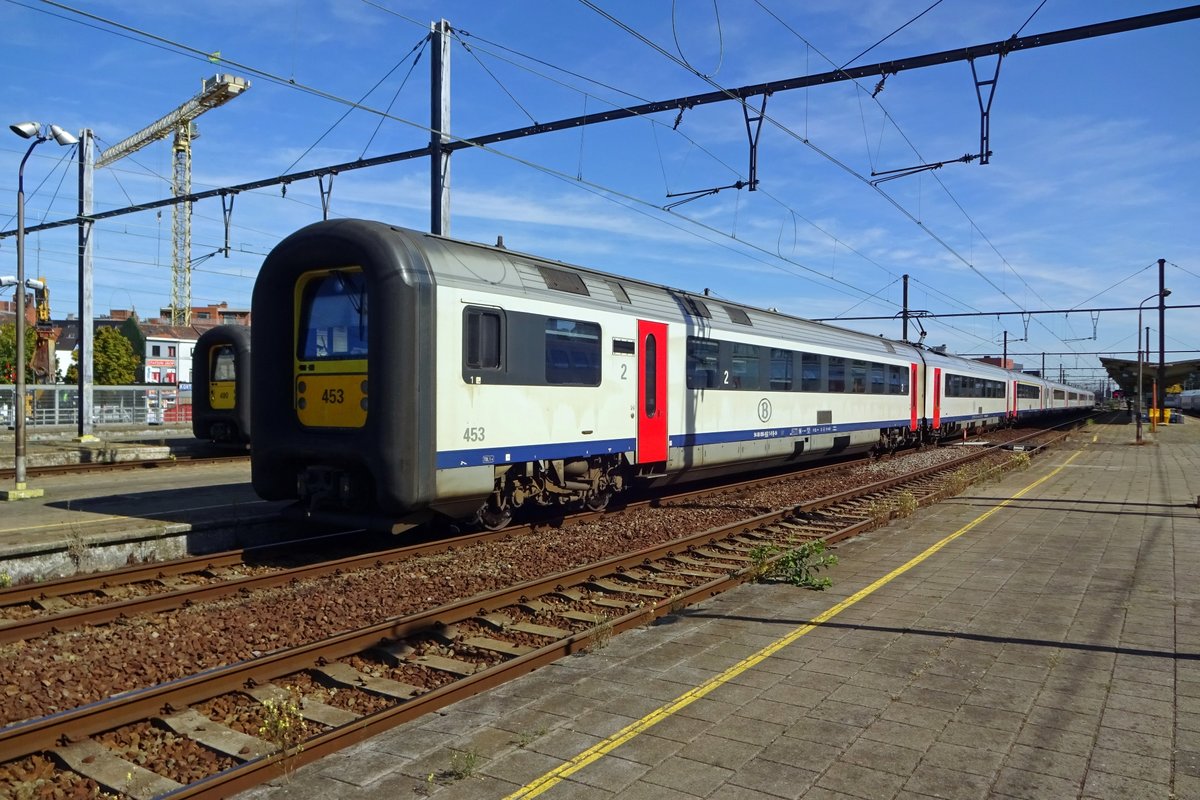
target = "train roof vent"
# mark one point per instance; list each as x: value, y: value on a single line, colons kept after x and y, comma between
x: 619, y: 292
x: 563, y: 281
x: 737, y: 315
x: 889, y: 346
x: 695, y: 307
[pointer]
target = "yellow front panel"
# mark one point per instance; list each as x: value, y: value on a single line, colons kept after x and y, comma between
x: 222, y: 395
x: 331, y: 400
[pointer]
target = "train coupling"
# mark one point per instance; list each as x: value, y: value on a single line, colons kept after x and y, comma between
x: 321, y: 486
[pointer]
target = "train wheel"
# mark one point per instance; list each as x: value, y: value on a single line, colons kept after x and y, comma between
x: 493, y: 519
x: 598, y: 501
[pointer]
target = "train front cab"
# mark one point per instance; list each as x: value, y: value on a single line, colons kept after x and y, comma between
x: 343, y: 403
x: 221, y: 387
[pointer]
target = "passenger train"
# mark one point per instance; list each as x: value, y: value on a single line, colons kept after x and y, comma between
x: 402, y: 374
x: 221, y: 387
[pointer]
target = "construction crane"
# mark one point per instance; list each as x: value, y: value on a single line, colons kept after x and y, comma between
x: 214, y: 91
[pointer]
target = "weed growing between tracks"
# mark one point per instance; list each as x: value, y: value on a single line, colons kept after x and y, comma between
x: 797, y: 566
x: 284, y: 727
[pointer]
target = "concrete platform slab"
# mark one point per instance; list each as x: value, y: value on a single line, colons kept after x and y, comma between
x: 1032, y: 637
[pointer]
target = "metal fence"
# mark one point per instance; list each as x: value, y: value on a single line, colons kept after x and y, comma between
x: 58, y: 404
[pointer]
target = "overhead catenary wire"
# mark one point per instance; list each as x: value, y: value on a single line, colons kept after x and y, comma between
x: 197, y: 53
x: 723, y: 233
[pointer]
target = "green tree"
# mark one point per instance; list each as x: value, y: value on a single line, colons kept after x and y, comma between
x: 8, y: 351
x: 132, y: 330
x: 113, y: 360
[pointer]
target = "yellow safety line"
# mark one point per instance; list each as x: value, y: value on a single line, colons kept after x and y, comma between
x: 594, y: 752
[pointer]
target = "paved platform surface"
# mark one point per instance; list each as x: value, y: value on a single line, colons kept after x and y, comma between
x: 98, y: 520
x: 57, y: 445
x: 1036, y: 637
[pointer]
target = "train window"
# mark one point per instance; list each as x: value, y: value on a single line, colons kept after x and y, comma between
x: 781, y: 370
x: 572, y: 352
x: 1028, y: 391
x: 837, y: 374
x: 650, y: 375
x: 1059, y: 394
x: 223, y: 363
x: 897, y: 379
x: 702, y: 363
x: 858, y: 376
x: 333, y: 316
x: 743, y: 366
x: 811, y: 367
x: 483, y: 338
x: 878, y: 382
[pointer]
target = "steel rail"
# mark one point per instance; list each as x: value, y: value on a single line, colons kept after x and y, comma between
x: 44, y: 733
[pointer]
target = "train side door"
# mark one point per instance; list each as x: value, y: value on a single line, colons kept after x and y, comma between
x: 652, y: 392
x: 937, y: 398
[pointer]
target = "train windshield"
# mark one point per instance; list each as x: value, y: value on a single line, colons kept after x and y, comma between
x: 223, y: 363
x: 333, y: 317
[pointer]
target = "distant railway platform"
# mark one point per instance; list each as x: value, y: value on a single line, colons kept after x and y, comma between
x: 1034, y: 637
x: 57, y: 445
x: 99, y: 520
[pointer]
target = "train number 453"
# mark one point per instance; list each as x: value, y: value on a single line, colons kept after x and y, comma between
x: 333, y: 396
x: 473, y: 435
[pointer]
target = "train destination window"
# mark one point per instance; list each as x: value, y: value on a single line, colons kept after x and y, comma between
x: 482, y: 338
x: 572, y: 352
x: 623, y: 347
x: 333, y: 316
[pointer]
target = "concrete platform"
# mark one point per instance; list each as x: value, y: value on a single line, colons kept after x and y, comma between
x: 1036, y: 637
x: 97, y: 520
x: 48, y: 447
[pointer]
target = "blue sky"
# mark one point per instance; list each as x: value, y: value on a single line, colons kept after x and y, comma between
x: 1092, y: 179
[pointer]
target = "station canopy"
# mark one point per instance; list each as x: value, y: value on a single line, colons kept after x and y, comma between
x: 1125, y: 373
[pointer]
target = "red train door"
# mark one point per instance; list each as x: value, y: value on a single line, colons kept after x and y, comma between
x: 652, y: 392
x: 912, y: 392
x: 937, y: 398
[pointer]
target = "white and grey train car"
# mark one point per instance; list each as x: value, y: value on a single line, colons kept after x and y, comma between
x: 486, y: 379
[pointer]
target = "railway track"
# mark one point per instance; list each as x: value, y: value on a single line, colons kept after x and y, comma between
x: 355, y: 684
x: 114, y: 466
x: 33, y: 610
x: 90, y: 599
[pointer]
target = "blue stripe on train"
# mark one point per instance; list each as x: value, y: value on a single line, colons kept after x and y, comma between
x: 491, y: 456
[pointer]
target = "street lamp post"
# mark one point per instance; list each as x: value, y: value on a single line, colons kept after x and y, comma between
x: 34, y: 131
x: 1164, y: 292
